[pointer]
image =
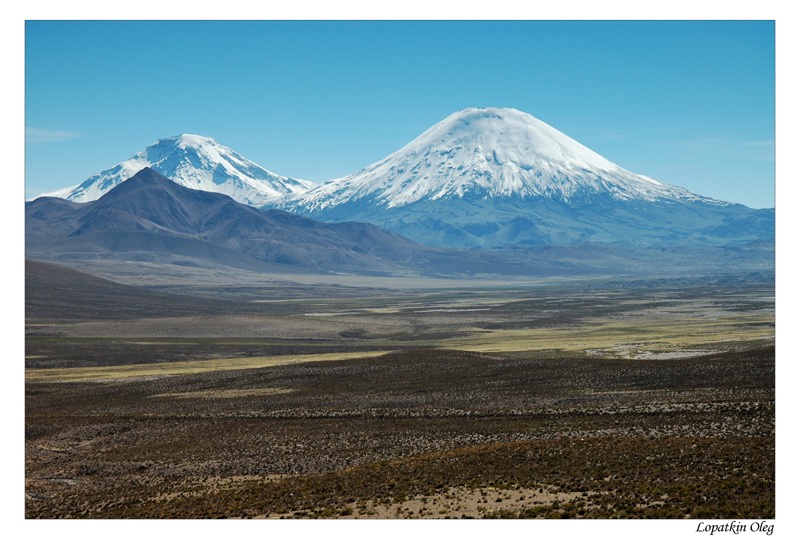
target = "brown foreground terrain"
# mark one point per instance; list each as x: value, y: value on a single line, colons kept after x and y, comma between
x: 568, y: 402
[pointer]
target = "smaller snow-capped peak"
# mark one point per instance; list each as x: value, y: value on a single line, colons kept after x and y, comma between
x: 196, y: 162
x: 487, y: 152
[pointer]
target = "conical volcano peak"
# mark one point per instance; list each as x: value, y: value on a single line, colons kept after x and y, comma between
x: 482, y: 153
x: 475, y: 113
x: 468, y: 115
x: 494, y: 177
x: 516, y: 137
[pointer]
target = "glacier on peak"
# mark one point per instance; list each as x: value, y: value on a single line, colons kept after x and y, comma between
x: 196, y: 162
x: 480, y: 178
x: 487, y: 153
x: 497, y: 177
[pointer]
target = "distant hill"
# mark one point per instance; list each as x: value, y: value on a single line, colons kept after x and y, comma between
x: 53, y: 292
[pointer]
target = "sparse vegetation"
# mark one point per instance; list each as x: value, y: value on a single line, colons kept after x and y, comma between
x: 162, y: 418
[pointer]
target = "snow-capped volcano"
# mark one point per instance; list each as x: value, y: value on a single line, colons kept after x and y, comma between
x: 487, y: 153
x: 195, y: 162
x: 486, y: 177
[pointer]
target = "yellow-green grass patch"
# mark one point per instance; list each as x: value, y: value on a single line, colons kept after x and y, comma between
x: 122, y: 372
x: 645, y: 333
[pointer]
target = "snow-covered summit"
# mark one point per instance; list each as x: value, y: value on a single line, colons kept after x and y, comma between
x: 196, y: 162
x: 488, y: 153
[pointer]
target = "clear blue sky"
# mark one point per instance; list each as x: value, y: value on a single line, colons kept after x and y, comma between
x: 689, y: 103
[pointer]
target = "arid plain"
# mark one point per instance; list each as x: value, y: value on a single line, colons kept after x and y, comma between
x: 563, y: 398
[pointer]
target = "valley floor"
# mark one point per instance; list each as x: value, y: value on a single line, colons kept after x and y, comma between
x: 563, y: 401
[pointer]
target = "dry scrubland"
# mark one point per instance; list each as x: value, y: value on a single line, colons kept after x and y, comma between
x: 635, y: 401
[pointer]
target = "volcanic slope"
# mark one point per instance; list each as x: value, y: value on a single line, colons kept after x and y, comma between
x: 149, y: 218
x: 196, y: 162
x: 497, y: 176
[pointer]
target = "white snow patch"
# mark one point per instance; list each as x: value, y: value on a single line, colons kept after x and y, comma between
x: 195, y: 162
x: 489, y: 152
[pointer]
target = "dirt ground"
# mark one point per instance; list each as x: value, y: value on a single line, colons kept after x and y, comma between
x: 443, y: 429
x: 589, y: 402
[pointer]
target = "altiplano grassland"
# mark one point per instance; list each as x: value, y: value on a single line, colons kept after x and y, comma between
x: 653, y: 400
x: 594, y: 437
x: 622, y: 324
x: 623, y: 338
x: 644, y: 337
